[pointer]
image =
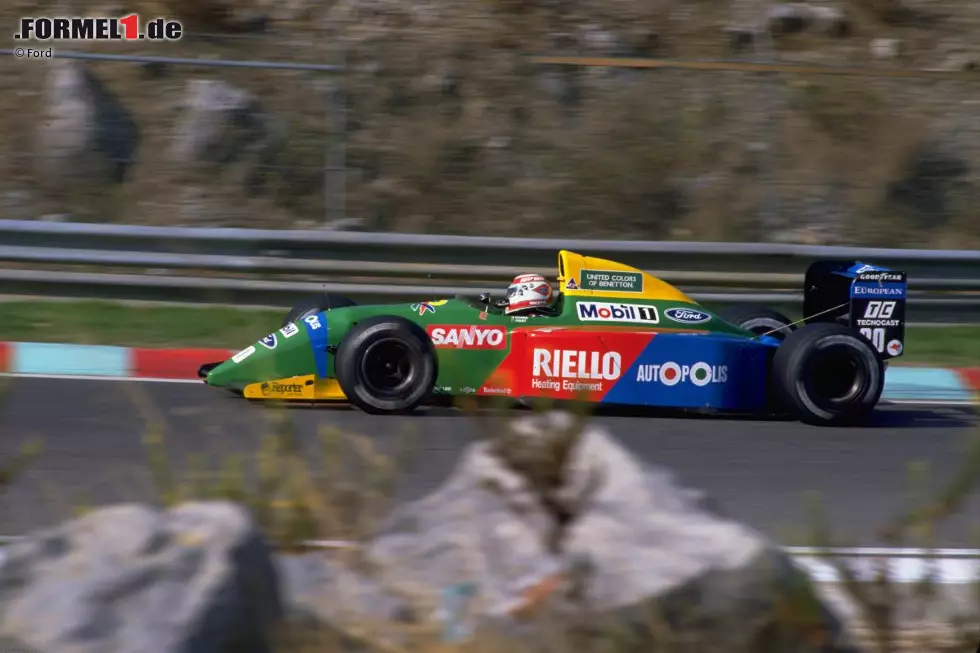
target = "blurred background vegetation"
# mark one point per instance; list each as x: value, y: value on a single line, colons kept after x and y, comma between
x: 439, y: 122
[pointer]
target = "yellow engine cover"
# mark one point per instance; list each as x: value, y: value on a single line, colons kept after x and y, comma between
x: 587, y: 276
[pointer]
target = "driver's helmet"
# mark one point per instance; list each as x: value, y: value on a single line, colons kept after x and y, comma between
x: 528, y: 292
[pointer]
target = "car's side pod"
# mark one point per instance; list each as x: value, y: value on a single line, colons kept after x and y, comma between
x: 867, y: 298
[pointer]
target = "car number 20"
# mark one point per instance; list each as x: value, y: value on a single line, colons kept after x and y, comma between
x: 876, y: 336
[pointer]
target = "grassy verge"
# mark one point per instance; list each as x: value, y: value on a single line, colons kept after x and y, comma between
x: 106, y: 323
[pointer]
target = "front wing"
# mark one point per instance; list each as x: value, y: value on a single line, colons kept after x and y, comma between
x: 304, y: 388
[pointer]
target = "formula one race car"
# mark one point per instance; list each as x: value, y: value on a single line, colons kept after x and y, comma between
x: 616, y: 335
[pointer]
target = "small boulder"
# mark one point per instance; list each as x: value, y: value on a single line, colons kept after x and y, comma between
x: 85, y: 135
x: 220, y: 123
x: 197, y: 578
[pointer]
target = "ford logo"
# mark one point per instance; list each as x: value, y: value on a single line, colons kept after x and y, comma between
x: 686, y: 315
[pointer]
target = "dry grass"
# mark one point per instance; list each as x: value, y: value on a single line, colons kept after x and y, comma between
x: 293, y: 503
x: 348, y: 488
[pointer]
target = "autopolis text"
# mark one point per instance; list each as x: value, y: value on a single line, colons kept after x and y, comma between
x: 126, y: 28
x: 671, y: 373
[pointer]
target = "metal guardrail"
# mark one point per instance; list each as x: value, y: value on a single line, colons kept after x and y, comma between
x: 274, y: 268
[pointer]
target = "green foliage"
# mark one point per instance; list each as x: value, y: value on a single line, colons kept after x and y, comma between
x: 290, y: 501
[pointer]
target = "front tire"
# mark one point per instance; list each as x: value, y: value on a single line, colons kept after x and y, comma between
x: 827, y: 375
x: 386, y: 365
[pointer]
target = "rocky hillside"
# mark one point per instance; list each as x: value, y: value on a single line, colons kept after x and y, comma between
x: 445, y: 126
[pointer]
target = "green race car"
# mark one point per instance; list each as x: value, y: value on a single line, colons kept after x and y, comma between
x: 614, y: 335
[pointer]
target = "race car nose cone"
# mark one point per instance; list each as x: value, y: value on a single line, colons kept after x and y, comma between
x: 202, y: 372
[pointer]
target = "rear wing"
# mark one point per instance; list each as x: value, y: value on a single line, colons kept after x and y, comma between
x: 867, y: 298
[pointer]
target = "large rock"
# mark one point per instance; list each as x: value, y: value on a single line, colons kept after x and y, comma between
x: 578, y: 529
x: 224, y: 126
x: 85, y: 135
x: 220, y: 123
x: 128, y: 579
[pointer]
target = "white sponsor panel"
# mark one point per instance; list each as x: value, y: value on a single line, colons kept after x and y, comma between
x: 859, y: 291
x: 617, y: 312
x: 572, y: 370
x: 878, y: 314
x: 289, y: 330
x: 687, y: 315
x: 879, y: 310
x: 243, y: 354
x: 468, y: 337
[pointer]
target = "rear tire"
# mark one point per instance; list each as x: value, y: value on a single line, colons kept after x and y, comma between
x: 759, y: 320
x: 827, y: 375
x: 314, y: 305
x: 386, y: 365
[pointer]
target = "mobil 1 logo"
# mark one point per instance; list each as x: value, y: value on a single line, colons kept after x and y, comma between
x: 878, y: 310
x: 615, y: 312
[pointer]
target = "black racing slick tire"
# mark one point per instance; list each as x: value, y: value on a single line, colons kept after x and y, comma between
x: 386, y: 365
x: 314, y: 305
x: 827, y: 375
x: 759, y: 320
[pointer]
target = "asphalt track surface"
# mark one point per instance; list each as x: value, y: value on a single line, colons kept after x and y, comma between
x: 759, y: 471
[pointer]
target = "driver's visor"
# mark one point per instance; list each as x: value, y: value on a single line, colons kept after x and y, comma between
x: 512, y: 290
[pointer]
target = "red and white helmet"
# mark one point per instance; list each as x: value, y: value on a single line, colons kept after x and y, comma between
x: 528, y: 291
